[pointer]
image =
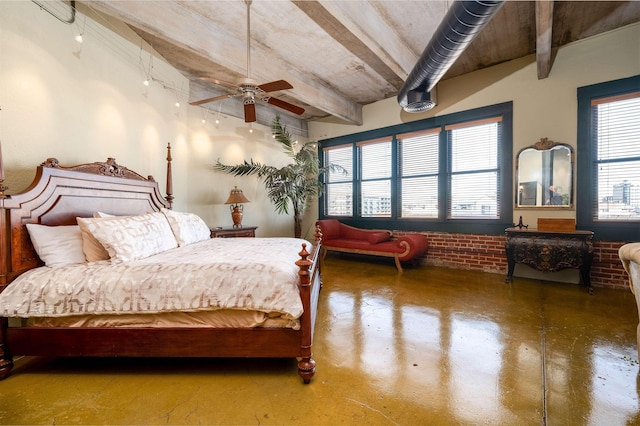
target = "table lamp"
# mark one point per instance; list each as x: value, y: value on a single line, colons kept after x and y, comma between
x: 236, y: 197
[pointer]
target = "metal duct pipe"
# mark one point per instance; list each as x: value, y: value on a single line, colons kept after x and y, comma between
x: 463, y: 21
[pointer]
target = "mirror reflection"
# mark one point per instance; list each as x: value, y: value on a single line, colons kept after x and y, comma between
x: 545, y: 175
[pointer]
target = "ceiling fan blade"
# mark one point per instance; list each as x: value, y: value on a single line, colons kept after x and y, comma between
x: 286, y: 105
x: 215, y: 98
x: 275, y: 85
x: 249, y: 113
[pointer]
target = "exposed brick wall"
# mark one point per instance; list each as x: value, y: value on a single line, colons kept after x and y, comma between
x: 607, y: 270
x: 466, y: 251
x: 486, y: 253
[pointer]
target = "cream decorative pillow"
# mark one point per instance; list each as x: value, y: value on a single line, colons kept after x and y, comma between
x: 93, y: 250
x: 188, y: 228
x: 128, y: 238
x: 57, y: 245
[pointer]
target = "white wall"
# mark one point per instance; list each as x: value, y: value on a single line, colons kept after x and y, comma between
x: 79, y: 103
x: 85, y: 102
x: 541, y: 108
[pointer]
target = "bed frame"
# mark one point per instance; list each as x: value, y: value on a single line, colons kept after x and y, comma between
x: 60, y: 194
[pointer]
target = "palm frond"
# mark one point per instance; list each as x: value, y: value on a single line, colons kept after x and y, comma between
x: 307, y: 158
x: 282, y: 136
x: 334, y: 168
x: 244, y: 169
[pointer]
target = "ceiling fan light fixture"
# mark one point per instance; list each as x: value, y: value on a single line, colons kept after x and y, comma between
x: 248, y: 98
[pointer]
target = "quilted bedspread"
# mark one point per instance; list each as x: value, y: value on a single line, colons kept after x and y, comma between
x: 220, y: 273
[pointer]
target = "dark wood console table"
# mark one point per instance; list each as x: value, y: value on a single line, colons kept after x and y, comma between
x: 549, y: 251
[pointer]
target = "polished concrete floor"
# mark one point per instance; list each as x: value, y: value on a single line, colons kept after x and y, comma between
x: 431, y: 346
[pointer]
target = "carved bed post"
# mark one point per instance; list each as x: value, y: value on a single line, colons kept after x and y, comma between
x: 306, y: 365
x: 169, y: 196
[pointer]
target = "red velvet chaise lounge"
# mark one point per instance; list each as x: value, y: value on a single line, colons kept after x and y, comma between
x: 339, y: 237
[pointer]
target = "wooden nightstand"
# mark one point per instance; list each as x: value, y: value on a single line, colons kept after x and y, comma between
x: 231, y: 232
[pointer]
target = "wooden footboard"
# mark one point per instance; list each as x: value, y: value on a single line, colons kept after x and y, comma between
x: 177, y: 342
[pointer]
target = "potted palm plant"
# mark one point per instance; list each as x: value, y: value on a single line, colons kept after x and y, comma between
x: 292, y: 186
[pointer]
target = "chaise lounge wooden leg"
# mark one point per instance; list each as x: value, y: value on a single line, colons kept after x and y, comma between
x: 398, y: 264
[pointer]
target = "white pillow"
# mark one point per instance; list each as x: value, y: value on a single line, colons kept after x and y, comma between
x: 128, y: 238
x: 188, y: 228
x: 57, y: 245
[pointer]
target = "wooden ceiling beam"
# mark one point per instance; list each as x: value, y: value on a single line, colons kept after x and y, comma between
x: 174, y: 23
x: 361, y: 29
x: 544, y: 26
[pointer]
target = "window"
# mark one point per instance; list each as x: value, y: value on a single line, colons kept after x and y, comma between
x: 609, y: 159
x: 608, y: 201
x: 419, y: 174
x: 474, y: 177
x: 617, y: 165
x: 375, y: 182
x: 450, y: 173
x: 338, y: 185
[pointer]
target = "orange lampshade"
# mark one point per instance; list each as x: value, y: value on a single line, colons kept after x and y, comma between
x: 236, y: 197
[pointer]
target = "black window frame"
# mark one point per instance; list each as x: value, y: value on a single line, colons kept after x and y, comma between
x: 443, y: 223
x: 587, y: 155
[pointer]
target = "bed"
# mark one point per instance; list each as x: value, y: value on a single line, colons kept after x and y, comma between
x: 59, y: 195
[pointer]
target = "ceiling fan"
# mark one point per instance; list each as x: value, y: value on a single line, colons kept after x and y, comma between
x: 249, y: 91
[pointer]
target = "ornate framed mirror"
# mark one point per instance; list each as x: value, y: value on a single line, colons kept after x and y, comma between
x: 544, y: 174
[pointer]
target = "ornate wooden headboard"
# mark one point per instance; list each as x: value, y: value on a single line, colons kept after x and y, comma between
x: 59, y: 194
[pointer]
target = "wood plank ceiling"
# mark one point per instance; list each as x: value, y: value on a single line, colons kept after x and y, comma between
x: 340, y: 55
